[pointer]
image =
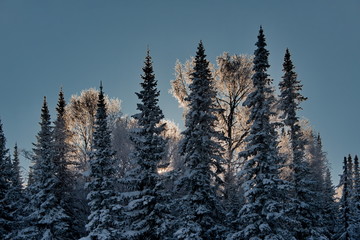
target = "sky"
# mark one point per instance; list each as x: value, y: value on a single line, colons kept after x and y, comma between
x: 46, y: 45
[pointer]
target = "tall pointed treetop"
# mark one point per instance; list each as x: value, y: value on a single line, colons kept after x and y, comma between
x: 290, y: 89
x: 262, y: 216
x: 200, y: 214
x: 102, y: 198
x: 144, y: 215
x: 45, y: 115
x: 61, y: 104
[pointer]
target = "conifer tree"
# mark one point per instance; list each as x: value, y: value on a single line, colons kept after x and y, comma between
x: 5, y: 186
x: 47, y: 219
x: 318, y: 164
x: 262, y: 216
x: 61, y: 148
x: 17, y: 180
x: 103, y: 199
x: 323, y: 202
x: 344, y: 224
x: 330, y: 208
x: 15, y: 197
x: 356, y: 196
x: 353, y: 217
x: 290, y: 96
x: 61, y: 160
x: 143, y: 212
x: 304, y: 205
x: 350, y: 175
x: 201, y: 215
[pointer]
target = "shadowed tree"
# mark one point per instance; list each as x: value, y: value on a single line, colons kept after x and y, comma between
x: 144, y: 210
x: 47, y: 219
x: 103, y: 198
x: 262, y: 216
x: 344, y: 224
x: 15, y: 196
x: 232, y: 81
x: 200, y: 212
x: 5, y: 186
x: 303, y: 206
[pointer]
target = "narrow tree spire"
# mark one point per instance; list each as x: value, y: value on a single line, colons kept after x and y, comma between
x: 303, y: 203
x: 103, y: 221
x: 144, y: 210
x: 47, y: 219
x: 61, y: 161
x: 5, y: 186
x: 201, y: 215
x: 61, y: 104
x: 290, y: 95
x: 262, y: 215
x: 345, y: 218
x: 356, y: 196
x: 17, y: 179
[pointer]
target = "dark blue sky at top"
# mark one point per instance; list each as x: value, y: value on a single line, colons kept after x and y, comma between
x: 45, y: 45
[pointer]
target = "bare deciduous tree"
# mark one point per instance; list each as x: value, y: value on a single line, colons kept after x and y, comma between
x: 80, y: 116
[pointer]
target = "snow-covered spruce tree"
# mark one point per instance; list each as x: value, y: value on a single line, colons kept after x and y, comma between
x: 262, y: 216
x: 353, y: 224
x: 350, y: 175
x: 323, y: 201
x: 17, y: 180
x: 103, y: 198
x: 330, y: 207
x: 344, y: 231
x: 15, y: 197
x: 5, y: 186
x: 201, y: 215
x: 61, y: 160
x: 47, y: 219
x: 61, y: 148
x: 144, y: 210
x: 80, y: 114
x: 356, y: 195
x: 304, y: 207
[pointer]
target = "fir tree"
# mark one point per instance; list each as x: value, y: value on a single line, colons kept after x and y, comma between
x: 350, y: 175
x: 329, y: 207
x: 61, y: 161
x: 344, y: 228
x: 201, y: 215
x: 61, y: 147
x: 322, y: 201
x: 144, y: 210
x: 17, y: 180
x: 47, y: 219
x: 303, y: 203
x: 356, y: 196
x: 353, y: 217
x: 15, y: 197
x: 262, y: 216
x: 103, y: 199
x: 5, y: 186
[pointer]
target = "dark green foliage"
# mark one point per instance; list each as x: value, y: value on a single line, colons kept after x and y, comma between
x: 15, y: 197
x: 144, y: 210
x: 306, y: 186
x: 263, y: 214
x: 103, y: 198
x: 201, y: 214
x: 344, y: 230
x: 5, y: 186
x: 47, y: 219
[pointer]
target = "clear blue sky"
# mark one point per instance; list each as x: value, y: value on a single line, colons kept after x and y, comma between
x: 74, y: 44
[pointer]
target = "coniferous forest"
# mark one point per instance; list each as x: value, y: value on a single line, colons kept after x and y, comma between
x: 246, y: 166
